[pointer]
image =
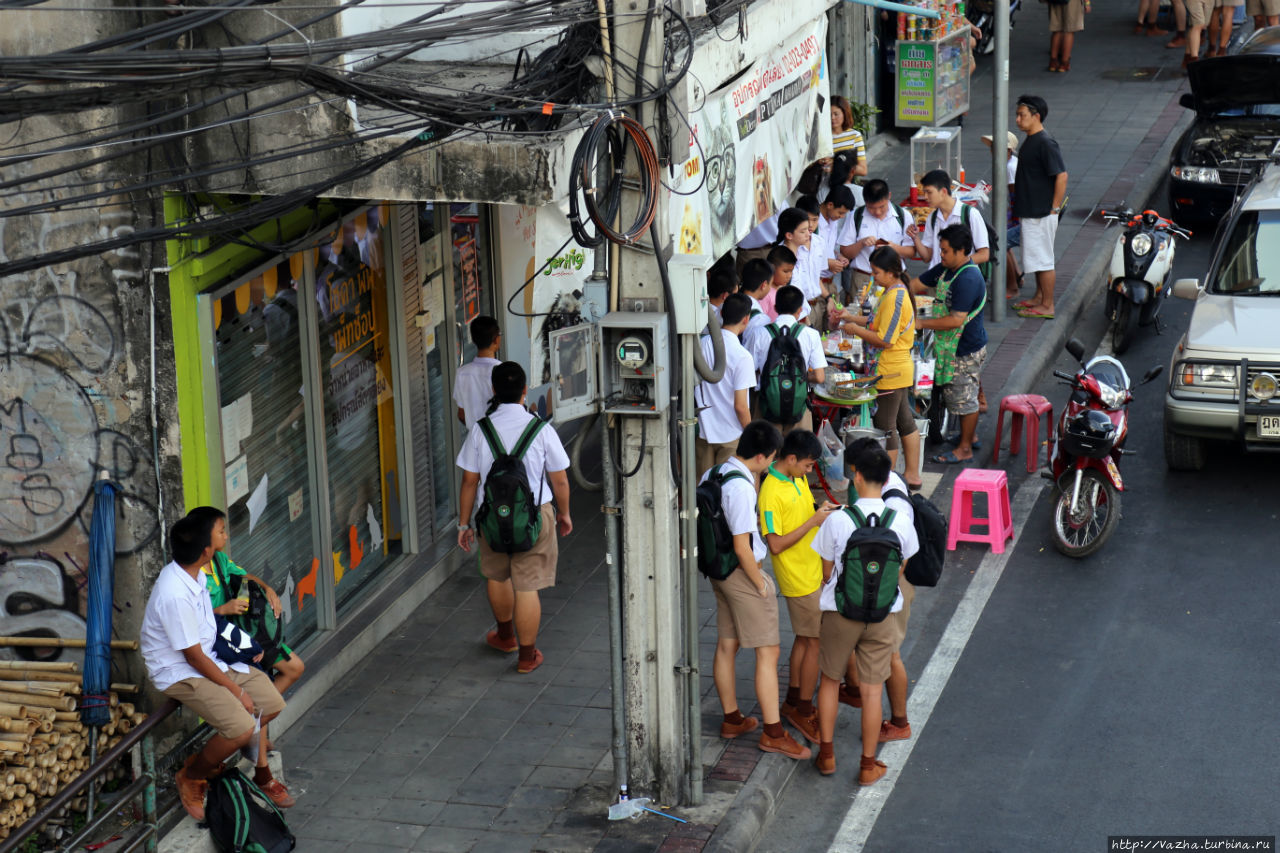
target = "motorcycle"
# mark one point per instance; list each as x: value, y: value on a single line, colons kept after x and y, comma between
x: 981, y: 14
x: 1087, y: 446
x: 1140, y: 266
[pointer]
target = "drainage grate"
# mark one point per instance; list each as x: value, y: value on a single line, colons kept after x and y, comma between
x: 1140, y: 72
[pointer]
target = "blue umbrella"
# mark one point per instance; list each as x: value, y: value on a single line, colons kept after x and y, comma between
x: 94, y: 705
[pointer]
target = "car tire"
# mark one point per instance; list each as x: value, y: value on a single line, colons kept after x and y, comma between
x: 1182, y: 452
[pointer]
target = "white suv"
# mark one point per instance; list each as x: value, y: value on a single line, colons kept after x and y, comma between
x: 1224, y: 378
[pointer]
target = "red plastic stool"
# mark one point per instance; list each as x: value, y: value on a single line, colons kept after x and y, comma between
x: 1027, y: 407
x: 999, y: 523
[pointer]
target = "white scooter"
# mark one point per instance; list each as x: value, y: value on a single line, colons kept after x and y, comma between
x: 1140, y: 267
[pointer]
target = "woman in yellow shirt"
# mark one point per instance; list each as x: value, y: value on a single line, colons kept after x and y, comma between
x: 892, y: 330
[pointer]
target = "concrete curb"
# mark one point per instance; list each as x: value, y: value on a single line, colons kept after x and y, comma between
x: 1053, y: 335
x: 740, y: 829
x: 745, y: 821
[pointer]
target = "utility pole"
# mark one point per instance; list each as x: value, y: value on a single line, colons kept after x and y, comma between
x: 1000, y: 157
x: 653, y: 624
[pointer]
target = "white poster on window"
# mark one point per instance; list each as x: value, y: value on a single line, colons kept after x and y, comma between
x: 750, y: 142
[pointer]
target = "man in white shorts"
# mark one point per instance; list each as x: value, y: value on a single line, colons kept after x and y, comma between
x: 1040, y: 189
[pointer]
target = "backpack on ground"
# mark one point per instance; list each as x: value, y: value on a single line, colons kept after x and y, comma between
x: 510, y: 518
x: 716, y: 557
x: 925, y: 568
x: 869, y: 567
x: 259, y: 621
x: 784, y: 390
x: 242, y: 819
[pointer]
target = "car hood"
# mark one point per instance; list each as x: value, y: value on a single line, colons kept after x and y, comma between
x: 1244, y: 325
x: 1232, y: 82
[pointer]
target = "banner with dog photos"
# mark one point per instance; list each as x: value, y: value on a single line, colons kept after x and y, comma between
x: 749, y: 143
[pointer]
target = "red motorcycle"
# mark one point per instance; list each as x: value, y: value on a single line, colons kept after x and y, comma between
x: 1087, y: 446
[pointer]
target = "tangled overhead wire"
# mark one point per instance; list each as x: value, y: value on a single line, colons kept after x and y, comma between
x: 604, y: 149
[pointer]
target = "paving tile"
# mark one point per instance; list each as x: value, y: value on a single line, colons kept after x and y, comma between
x: 490, y: 786
x: 563, y: 755
x: 347, y: 804
x: 447, y: 840
x: 504, y: 842
x: 345, y: 760
x: 558, y: 777
x: 523, y: 819
x: 544, y: 713
x: 551, y: 799
x: 428, y: 786
x: 313, y: 844
x: 464, y: 816
x: 354, y: 740
x: 565, y: 844
x: 419, y: 812
x: 341, y: 828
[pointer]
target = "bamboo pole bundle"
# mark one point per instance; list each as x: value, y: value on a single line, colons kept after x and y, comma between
x: 124, y: 687
x: 49, y: 738
x: 13, y: 710
x: 69, y: 726
x: 10, y: 724
x: 39, y: 675
x: 127, y: 709
x: 58, y: 703
x: 66, y: 716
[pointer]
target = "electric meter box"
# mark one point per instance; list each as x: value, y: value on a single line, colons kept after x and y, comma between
x: 635, y: 368
x: 689, y: 291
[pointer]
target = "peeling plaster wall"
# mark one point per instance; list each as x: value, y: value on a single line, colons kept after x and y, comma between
x: 75, y: 368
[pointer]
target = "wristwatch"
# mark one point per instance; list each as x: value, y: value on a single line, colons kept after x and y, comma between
x: 462, y: 527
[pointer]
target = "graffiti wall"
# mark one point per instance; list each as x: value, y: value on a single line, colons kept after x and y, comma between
x: 73, y: 404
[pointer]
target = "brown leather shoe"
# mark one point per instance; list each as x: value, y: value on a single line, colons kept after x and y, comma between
x: 729, y: 731
x: 806, y: 725
x: 1153, y: 30
x: 191, y: 792
x: 1178, y: 40
x: 785, y: 745
x: 888, y: 731
x: 826, y: 766
x: 851, y: 698
x: 872, y: 770
x: 277, y: 793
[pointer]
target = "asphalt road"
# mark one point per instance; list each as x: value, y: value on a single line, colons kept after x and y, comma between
x: 1133, y: 692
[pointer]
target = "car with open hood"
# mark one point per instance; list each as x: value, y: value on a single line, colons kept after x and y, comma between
x: 1236, y: 100
x: 1224, y: 377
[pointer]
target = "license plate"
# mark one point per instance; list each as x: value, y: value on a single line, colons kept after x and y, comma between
x: 1269, y: 426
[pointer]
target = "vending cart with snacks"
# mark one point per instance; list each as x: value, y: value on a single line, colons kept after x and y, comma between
x: 933, y: 60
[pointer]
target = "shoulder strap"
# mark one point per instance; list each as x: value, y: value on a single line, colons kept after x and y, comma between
x: 896, y: 493
x: 858, y: 213
x: 933, y: 218
x: 856, y: 514
x: 902, y: 215
x: 491, y: 436
x: 526, y: 438
x: 887, y: 517
x: 217, y: 570
x: 755, y: 312
x: 772, y: 329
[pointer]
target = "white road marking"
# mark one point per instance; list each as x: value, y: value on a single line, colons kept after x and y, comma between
x: 865, y: 809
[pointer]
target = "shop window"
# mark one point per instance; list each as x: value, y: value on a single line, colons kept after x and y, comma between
x: 358, y: 403
x: 264, y: 445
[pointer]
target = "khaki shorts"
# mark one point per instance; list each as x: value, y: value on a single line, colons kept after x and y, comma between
x: 1262, y: 7
x: 744, y: 615
x: 874, y: 644
x: 861, y: 281
x: 1069, y: 18
x: 221, y: 708
x: 805, y: 423
x: 1232, y: 3
x: 528, y: 571
x: 706, y: 454
x: 903, y: 616
x: 806, y: 615
x: 1198, y: 12
x: 960, y: 395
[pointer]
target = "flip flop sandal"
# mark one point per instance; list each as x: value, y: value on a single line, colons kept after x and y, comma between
x: 1022, y: 306
x: 1038, y: 315
x: 954, y: 438
x: 912, y: 488
x: 950, y: 458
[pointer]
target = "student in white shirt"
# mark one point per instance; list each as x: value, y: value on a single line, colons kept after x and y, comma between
x: 724, y: 407
x: 720, y: 283
x: 515, y: 579
x: 879, y: 222
x: 873, y: 643
x: 832, y: 213
x: 788, y: 302
x: 757, y: 244
x: 810, y: 262
x: 176, y: 640
x: 757, y: 283
x: 947, y: 211
x: 473, y: 386
x: 747, y: 600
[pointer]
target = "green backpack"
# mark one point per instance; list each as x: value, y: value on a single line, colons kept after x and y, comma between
x: 259, y: 621
x: 784, y: 389
x: 242, y: 819
x: 509, y: 519
x: 872, y: 559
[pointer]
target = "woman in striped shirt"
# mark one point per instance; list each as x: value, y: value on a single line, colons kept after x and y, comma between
x: 843, y: 135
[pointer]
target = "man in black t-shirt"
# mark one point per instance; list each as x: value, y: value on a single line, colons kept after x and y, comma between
x: 1040, y: 189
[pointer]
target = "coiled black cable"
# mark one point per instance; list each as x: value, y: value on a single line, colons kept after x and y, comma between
x: 606, y: 142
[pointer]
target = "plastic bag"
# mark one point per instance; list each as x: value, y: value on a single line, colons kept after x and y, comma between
x: 832, y: 458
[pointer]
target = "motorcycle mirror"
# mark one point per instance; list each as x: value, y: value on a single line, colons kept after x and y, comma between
x: 1187, y: 101
x: 1152, y: 374
x: 1186, y: 288
x: 1076, y: 349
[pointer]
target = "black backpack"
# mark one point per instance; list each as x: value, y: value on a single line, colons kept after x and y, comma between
x: 925, y: 568
x: 784, y: 389
x: 242, y: 819
x: 259, y: 621
x: 869, y: 567
x: 509, y: 518
x: 716, y: 557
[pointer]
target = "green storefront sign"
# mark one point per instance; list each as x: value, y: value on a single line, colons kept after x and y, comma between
x: 917, y: 82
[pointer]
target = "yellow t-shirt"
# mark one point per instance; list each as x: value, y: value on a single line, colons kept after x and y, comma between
x: 786, y: 504
x: 895, y: 323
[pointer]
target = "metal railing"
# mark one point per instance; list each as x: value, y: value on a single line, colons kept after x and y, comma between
x: 147, y: 833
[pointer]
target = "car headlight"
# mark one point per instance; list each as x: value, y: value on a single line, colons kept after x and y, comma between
x: 1112, y: 398
x: 1194, y: 375
x: 1197, y: 174
x: 1263, y: 386
x: 1140, y: 244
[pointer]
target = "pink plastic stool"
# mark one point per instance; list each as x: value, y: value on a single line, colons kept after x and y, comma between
x: 1027, y: 407
x: 999, y: 524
